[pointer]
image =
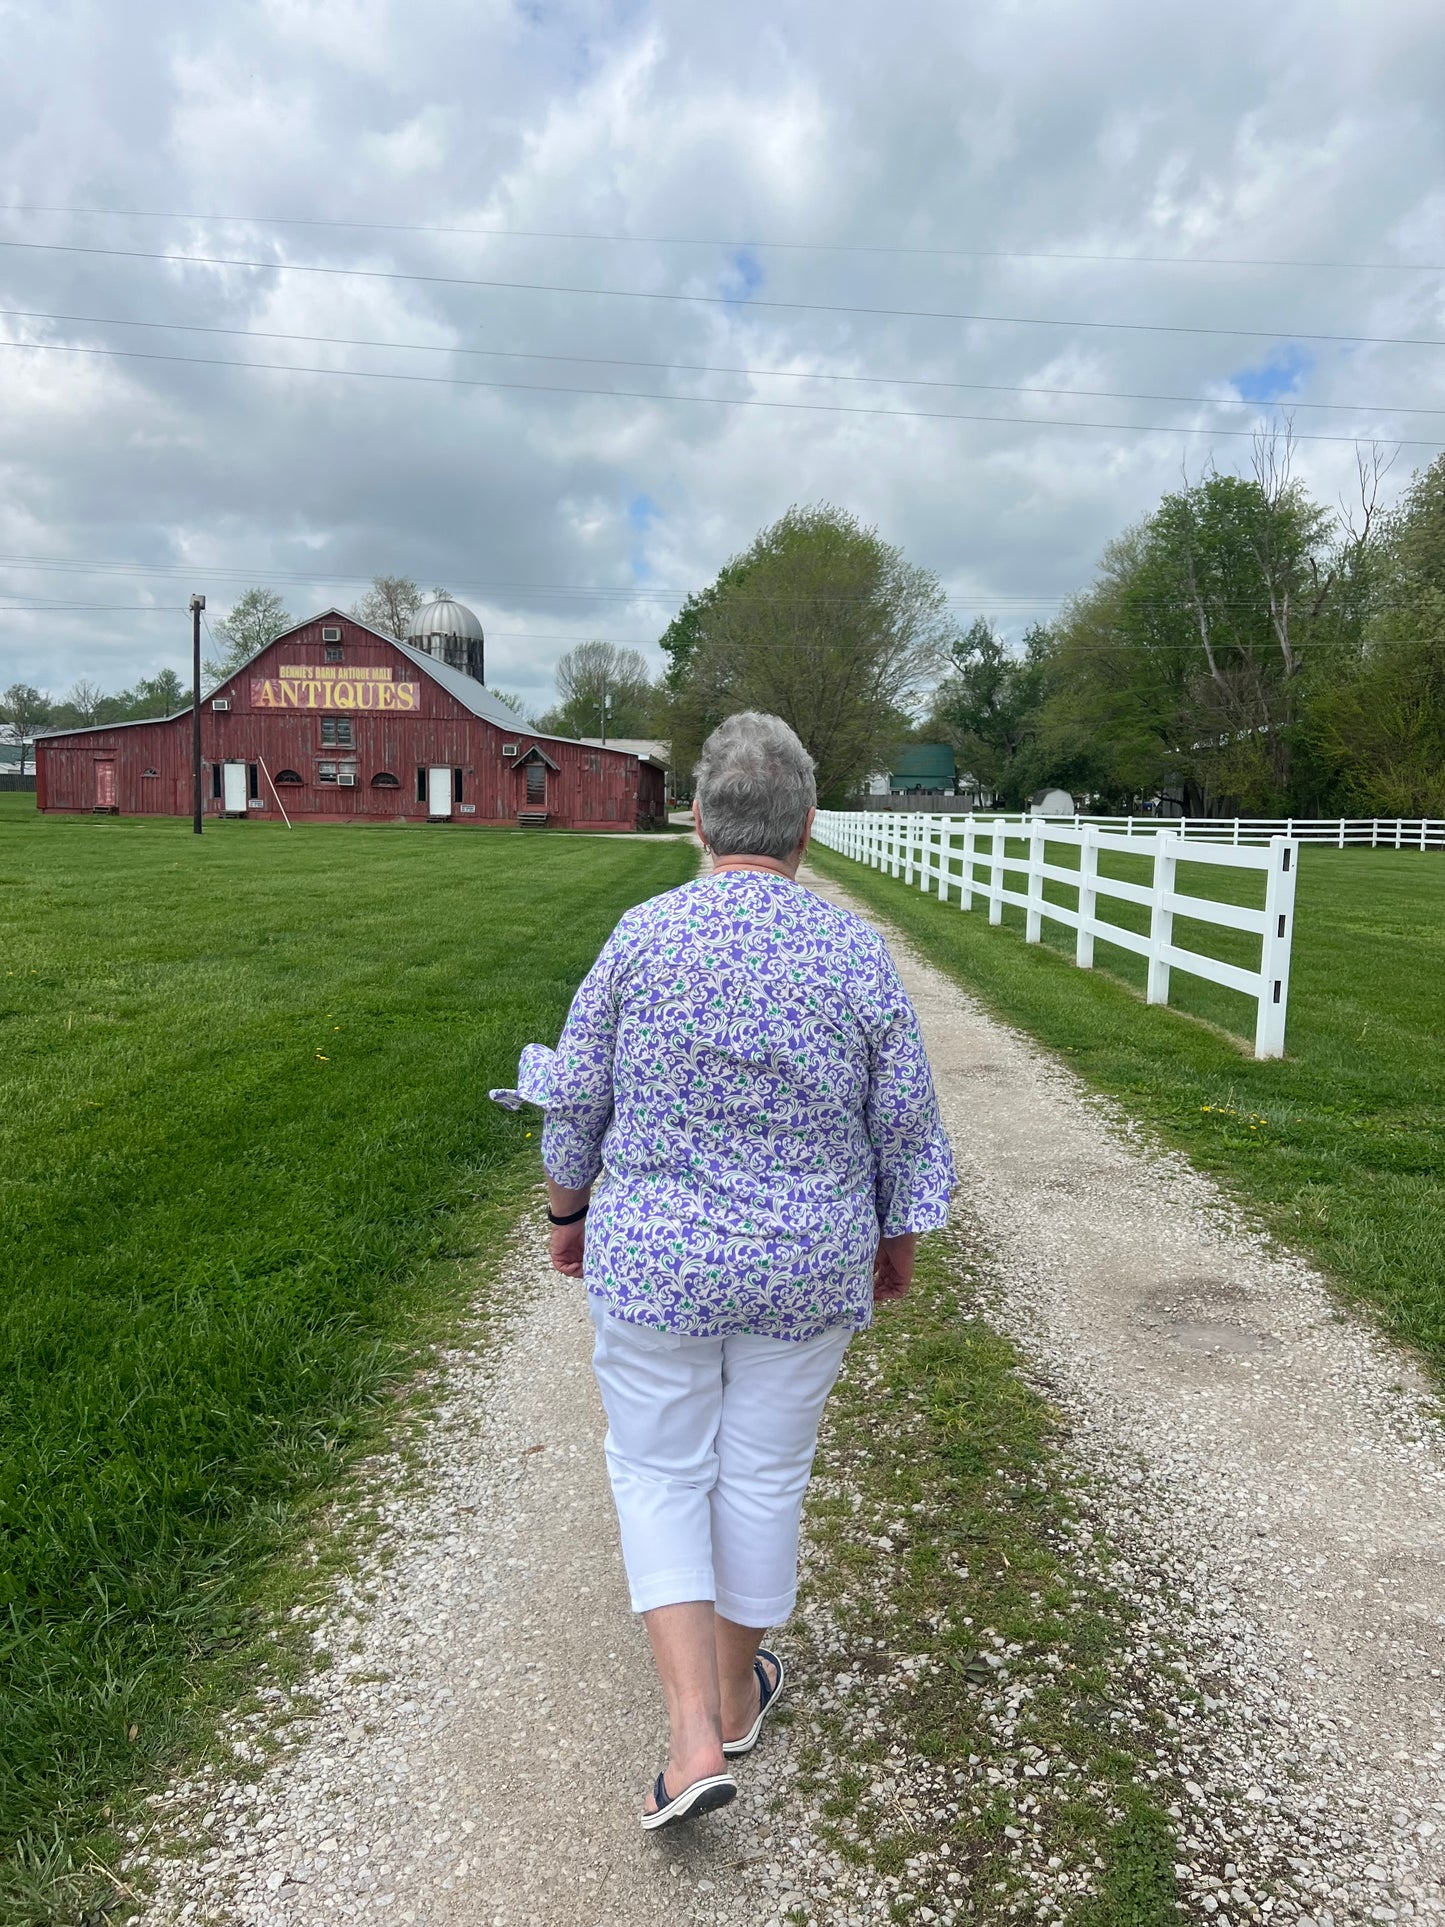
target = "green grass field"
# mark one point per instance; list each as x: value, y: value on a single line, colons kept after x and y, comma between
x: 245, y: 1127
x: 1340, y: 1145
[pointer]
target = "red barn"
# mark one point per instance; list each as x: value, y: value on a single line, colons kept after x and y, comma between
x: 337, y: 722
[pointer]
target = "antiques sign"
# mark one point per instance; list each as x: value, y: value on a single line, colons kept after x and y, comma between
x: 329, y: 686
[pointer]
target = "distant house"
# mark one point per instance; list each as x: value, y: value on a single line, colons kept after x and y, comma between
x: 654, y: 751
x: 11, y: 757
x: 923, y: 766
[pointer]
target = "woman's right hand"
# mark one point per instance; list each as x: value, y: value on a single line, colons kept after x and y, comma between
x: 567, y: 1242
x: 893, y: 1266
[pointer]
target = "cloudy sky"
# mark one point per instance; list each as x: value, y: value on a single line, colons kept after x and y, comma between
x: 626, y: 280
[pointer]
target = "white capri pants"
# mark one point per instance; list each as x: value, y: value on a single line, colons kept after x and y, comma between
x: 710, y: 1443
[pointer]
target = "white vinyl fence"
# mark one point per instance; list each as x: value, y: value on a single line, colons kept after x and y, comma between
x: 1343, y: 832
x: 968, y: 856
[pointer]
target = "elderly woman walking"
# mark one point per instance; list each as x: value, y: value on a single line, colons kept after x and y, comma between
x: 742, y: 1145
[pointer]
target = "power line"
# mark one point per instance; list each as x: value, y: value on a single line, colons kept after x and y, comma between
x: 738, y: 247
x: 708, y: 401
x: 997, y: 602
x: 718, y: 300
x: 130, y: 608
x: 704, y: 368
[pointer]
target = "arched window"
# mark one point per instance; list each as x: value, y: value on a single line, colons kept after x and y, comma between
x: 287, y: 776
x: 384, y: 780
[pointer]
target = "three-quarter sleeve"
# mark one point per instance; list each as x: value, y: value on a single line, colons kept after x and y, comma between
x: 914, y: 1161
x: 575, y: 1088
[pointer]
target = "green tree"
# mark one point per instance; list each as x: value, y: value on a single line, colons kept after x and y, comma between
x: 256, y: 618
x: 1190, y: 664
x: 820, y: 622
x: 987, y: 707
x: 389, y: 604
x: 1380, y: 725
x: 595, y: 673
x: 160, y: 695
x: 23, y: 710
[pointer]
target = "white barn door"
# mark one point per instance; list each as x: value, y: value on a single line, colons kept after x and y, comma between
x: 439, y: 792
x: 233, y: 788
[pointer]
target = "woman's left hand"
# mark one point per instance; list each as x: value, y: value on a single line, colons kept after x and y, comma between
x: 893, y: 1266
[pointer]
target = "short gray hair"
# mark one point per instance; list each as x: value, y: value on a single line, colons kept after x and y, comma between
x: 754, y: 786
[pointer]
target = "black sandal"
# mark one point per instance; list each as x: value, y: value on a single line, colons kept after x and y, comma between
x: 767, y: 1693
x: 703, y: 1796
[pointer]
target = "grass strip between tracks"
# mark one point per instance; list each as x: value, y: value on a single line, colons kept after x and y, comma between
x: 993, y: 1702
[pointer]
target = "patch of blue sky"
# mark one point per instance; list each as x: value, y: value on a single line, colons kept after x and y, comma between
x: 1278, y: 378
x: 742, y: 278
x: 642, y: 513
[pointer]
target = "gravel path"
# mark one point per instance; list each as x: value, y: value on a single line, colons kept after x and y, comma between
x: 488, y: 1722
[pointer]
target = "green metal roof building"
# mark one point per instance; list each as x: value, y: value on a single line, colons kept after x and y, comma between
x: 923, y: 766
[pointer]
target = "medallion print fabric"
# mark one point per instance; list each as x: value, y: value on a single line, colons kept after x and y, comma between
x: 742, y: 1076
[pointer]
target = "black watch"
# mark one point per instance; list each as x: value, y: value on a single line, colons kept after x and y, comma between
x: 571, y: 1218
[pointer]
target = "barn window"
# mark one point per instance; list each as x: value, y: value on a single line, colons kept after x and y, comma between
x: 384, y: 780
x: 253, y: 781
x: 326, y: 772
x: 536, y: 782
x: 337, y: 732
x: 456, y: 786
x: 333, y: 652
x: 288, y: 776
x: 216, y: 780
x: 150, y: 772
x: 421, y: 784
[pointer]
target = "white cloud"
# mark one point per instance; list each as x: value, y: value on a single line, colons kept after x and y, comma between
x: 1045, y: 127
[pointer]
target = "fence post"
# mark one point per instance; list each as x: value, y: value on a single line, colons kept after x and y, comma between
x: 995, y: 872
x: 1161, y: 917
x: 1088, y: 898
x: 1279, y: 888
x: 965, y: 882
x: 945, y: 856
x: 1033, y: 918
x: 928, y: 824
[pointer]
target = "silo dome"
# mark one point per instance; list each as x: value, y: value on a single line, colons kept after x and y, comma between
x: 448, y: 630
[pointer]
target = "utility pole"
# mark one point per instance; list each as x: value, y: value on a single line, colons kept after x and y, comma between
x: 603, y: 706
x: 198, y: 602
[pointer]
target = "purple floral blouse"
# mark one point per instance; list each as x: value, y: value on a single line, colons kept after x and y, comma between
x: 745, y: 1072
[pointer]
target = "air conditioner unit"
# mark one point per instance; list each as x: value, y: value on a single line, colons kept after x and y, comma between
x: 509, y: 749
x: 222, y: 703
x: 331, y: 634
x: 347, y: 779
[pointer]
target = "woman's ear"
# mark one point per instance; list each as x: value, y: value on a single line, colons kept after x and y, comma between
x: 697, y: 821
